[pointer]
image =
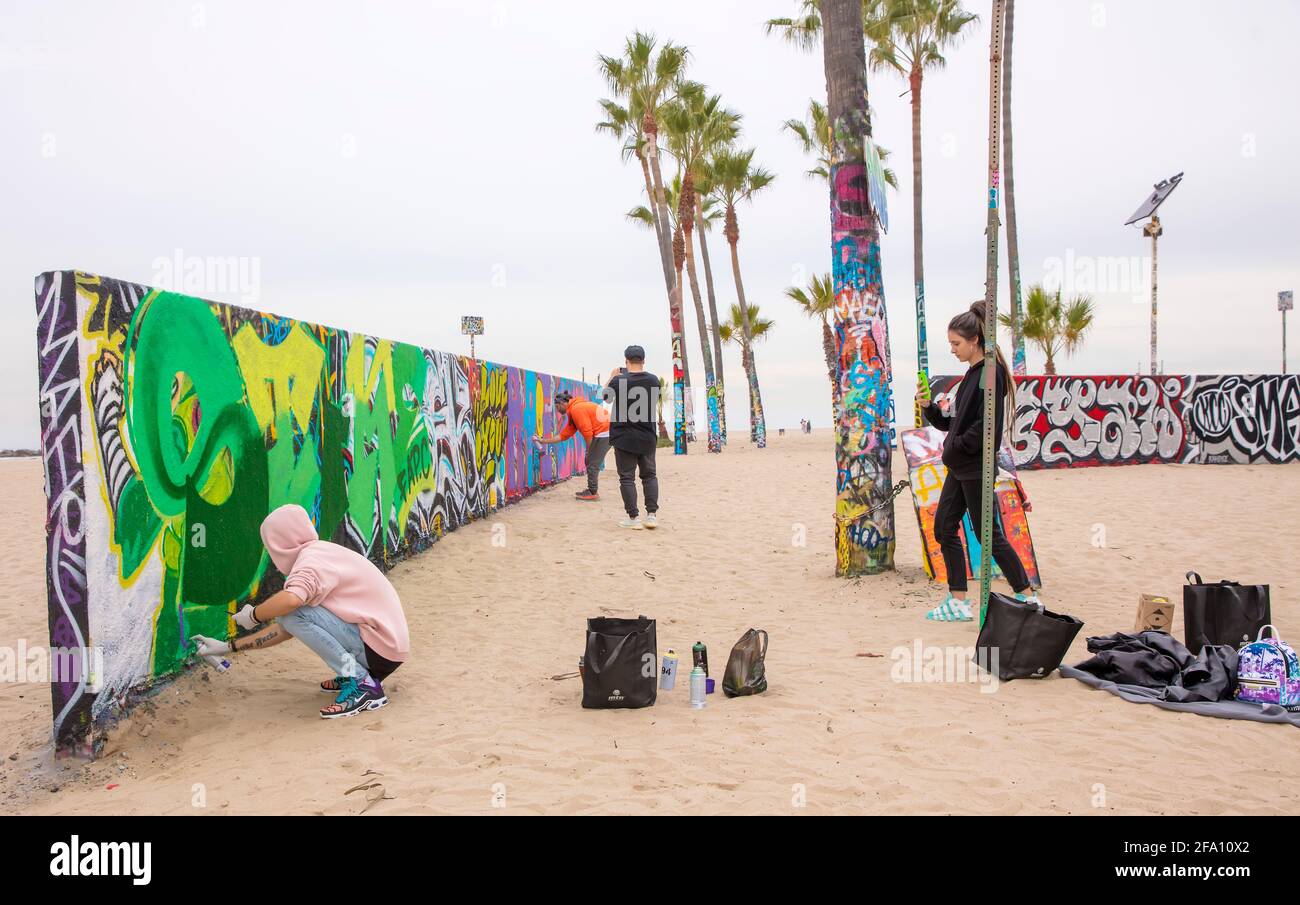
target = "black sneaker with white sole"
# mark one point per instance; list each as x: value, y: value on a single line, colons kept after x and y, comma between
x: 355, y: 697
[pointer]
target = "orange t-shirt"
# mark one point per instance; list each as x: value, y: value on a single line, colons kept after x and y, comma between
x: 588, y: 417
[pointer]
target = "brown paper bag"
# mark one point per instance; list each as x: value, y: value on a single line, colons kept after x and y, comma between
x: 1155, y: 613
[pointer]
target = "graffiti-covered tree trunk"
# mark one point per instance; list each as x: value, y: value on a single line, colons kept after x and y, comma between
x: 718, y: 379
x: 918, y: 253
x: 1013, y: 246
x: 651, y: 128
x: 757, y: 424
x: 686, y: 216
x: 864, y: 522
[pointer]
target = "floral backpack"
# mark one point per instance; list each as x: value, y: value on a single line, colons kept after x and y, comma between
x: 1268, y: 671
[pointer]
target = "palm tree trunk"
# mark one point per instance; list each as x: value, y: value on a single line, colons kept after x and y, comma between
x: 686, y: 215
x: 828, y: 349
x: 757, y: 424
x: 1013, y: 246
x: 650, y: 194
x: 679, y: 256
x: 864, y: 519
x: 651, y: 129
x: 918, y: 252
x: 718, y: 380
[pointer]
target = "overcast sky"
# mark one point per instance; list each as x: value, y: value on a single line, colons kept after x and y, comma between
x: 392, y: 166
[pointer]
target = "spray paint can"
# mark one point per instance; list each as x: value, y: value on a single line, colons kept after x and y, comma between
x: 668, y: 674
x: 700, y: 656
x: 217, y: 663
x: 698, y: 680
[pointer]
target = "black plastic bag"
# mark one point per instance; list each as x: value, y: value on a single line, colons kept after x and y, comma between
x: 745, y: 669
x: 620, y: 666
x: 1023, y: 640
x: 1223, y: 613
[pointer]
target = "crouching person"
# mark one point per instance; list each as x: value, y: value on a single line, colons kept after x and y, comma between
x: 336, y: 602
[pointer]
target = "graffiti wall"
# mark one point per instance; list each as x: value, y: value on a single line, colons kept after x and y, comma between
x: 923, y: 449
x: 1066, y: 422
x: 172, y: 425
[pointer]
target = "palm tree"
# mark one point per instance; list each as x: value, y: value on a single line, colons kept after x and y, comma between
x: 909, y: 37
x: 649, y: 80
x: 706, y: 212
x: 814, y: 136
x: 695, y: 125
x: 818, y: 301
x: 734, y: 179
x: 1053, y: 325
x: 864, y: 518
x: 1013, y: 245
x: 742, y: 323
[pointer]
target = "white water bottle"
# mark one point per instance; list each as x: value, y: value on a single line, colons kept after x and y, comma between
x: 698, y: 680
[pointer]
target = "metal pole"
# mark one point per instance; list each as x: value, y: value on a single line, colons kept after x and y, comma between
x: 990, y: 369
x: 1153, y: 230
x: 1283, y: 340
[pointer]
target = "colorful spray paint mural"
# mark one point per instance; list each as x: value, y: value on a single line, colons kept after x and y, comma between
x: 1069, y: 422
x: 171, y: 426
x: 923, y: 449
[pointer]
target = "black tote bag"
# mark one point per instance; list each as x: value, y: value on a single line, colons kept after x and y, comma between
x: 1223, y: 613
x: 619, y: 667
x: 1029, y: 642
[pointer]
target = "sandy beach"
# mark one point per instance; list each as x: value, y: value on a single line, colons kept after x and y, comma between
x: 477, y: 725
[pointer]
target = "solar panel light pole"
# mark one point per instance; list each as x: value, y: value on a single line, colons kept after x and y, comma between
x: 472, y: 325
x: 1152, y: 228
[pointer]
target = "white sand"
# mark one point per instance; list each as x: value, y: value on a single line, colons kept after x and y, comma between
x: 475, y: 715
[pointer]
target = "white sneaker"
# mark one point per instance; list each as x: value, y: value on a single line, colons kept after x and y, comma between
x: 651, y: 520
x: 631, y: 523
x: 1030, y: 597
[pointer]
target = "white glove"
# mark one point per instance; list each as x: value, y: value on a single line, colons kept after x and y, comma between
x: 210, y: 647
x: 245, y: 618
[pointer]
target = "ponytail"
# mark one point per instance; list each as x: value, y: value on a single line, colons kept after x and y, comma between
x: 970, y: 325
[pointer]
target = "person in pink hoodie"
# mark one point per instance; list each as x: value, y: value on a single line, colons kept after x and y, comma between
x: 336, y: 602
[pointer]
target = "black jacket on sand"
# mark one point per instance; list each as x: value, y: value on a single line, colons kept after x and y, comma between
x: 964, y: 446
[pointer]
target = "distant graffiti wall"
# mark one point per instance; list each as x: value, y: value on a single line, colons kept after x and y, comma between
x: 1065, y: 422
x: 171, y: 426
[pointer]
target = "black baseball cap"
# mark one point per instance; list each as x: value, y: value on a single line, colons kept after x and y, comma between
x: 634, y: 353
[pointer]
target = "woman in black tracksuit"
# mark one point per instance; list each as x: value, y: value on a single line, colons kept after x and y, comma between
x: 963, y: 449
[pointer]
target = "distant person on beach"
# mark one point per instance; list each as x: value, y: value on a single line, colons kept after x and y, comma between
x: 634, y: 394
x: 963, y: 450
x: 336, y: 602
x: 592, y: 421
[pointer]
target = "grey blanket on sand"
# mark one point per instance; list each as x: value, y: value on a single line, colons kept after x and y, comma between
x: 1224, y: 710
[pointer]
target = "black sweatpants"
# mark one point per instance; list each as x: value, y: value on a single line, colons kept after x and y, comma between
x: 627, y: 464
x: 596, y: 450
x: 956, y: 498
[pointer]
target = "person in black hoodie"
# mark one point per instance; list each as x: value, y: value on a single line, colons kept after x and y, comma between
x: 963, y: 449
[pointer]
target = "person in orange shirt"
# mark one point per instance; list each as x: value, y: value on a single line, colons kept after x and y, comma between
x: 592, y: 421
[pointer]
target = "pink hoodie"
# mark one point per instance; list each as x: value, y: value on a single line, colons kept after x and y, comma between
x: 341, y: 580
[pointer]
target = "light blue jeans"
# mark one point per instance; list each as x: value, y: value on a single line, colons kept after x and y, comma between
x: 336, y: 642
